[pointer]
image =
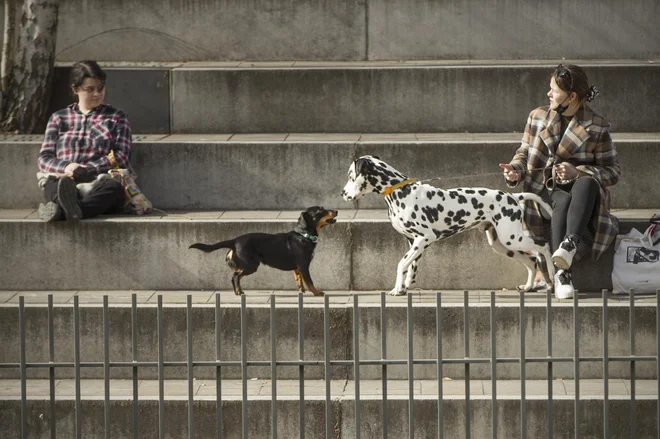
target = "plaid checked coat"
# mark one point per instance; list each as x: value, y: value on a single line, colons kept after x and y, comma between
x: 587, y: 145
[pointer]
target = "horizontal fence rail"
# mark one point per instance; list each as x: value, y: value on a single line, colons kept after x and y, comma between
x: 327, y: 362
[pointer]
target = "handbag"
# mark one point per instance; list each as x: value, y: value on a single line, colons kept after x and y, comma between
x: 637, y: 260
x: 136, y: 201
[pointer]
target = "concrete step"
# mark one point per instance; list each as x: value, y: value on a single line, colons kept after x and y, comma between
x: 343, y: 409
x: 294, y: 171
x: 360, y: 252
x: 341, y: 334
x: 363, y: 97
x: 352, y: 30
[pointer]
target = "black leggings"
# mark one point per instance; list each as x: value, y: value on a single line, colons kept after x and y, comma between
x: 572, y: 208
x: 108, y: 196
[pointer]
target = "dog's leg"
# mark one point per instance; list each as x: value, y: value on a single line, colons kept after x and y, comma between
x: 299, y: 280
x: 236, y: 283
x: 547, y: 266
x: 307, y: 277
x: 527, y: 260
x: 412, y: 270
x: 416, y: 249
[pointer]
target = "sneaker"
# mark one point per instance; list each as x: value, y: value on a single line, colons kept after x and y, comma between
x: 67, y: 198
x: 50, y: 211
x: 563, y: 285
x: 563, y: 257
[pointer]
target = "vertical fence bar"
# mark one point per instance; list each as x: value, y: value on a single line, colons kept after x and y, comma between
x: 328, y: 372
x: 106, y: 365
x: 218, y: 369
x: 356, y: 363
x: 438, y: 325
x: 576, y: 363
x: 606, y: 370
x: 191, y: 391
x: 523, y: 372
x: 548, y: 305
x: 411, y: 376
x: 493, y: 364
x: 51, y: 359
x: 21, y: 330
x: 161, y: 370
x: 244, y: 376
x: 76, y: 362
x: 301, y: 368
x: 134, y: 332
x: 383, y: 354
x: 466, y: 346
x: 633, y: 408
x: 657, y: 360
x: 273, y: 369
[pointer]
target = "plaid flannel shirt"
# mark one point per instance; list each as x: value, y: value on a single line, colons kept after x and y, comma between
x: 588, y: 146
x: 73, y: 137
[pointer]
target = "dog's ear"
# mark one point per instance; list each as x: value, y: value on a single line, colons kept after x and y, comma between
x: 376, y: 157
x: 304, y: 220
x: 364, y: 166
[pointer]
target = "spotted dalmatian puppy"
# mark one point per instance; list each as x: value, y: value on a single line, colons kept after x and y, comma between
x: 424, y: 214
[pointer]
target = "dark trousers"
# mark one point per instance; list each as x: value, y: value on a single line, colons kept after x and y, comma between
x: 573, y: 206
x: 108, y: 196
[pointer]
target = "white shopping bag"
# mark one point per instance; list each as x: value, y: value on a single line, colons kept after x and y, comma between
x: 637, y: 260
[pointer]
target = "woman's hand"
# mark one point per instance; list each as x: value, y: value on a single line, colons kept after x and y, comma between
x: 68, y: 171
x: 566, y: 171
x: 509, y: 173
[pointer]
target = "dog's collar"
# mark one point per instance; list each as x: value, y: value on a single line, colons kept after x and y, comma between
x: 389, y: 189
x: 308, y: 236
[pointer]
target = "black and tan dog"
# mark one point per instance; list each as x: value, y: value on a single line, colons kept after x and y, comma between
x: 291, y: 251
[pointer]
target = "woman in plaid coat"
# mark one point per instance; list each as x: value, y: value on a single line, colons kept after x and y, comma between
x: 567, y: 157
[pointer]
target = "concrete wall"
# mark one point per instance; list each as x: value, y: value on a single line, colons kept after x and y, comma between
x: 234, y: 175
x: 343, y: 412
x: 440, y: 98
x: 177, y: 30
x: 356, y: 98
x: 153, y: 254
x: 341, y: 338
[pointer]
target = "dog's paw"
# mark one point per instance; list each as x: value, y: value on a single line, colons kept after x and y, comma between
x: 397, y: 292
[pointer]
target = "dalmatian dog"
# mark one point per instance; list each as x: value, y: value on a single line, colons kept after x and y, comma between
x: 424, y: 214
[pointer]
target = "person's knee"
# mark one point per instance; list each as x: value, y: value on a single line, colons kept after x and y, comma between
x: 113, y: 190
x: 586, y: 184
x: 117, y: 190
x: 560, y: 200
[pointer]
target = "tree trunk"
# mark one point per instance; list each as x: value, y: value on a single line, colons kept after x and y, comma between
x: 28, y: 57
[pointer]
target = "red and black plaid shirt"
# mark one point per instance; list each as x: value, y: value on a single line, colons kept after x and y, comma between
x: 73, y: 137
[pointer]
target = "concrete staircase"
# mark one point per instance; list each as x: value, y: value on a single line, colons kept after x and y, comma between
x: 253, y: 128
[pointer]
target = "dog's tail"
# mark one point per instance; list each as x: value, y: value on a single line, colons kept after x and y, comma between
x: 213, y: 247
x: 528, y: 196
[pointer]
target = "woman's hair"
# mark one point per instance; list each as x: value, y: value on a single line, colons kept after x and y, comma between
x: 85, y: 69
x: 572, y: 78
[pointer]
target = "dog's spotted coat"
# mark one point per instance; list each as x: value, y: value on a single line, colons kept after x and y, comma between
x: 424, y: 214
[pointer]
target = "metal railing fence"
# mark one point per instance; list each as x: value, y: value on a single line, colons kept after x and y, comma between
x: 328, y: 362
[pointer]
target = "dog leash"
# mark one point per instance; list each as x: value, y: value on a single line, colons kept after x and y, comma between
x: 486, y: 174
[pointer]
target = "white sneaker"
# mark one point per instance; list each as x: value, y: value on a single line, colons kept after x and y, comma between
x: 563, y: 257
x: 563, y: 285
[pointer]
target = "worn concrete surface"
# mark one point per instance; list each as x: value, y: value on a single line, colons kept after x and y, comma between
x: 354, y: 30
x: 343, y: 419
x: 341, y: 334
x: 408, y: 99
x: 294, y: 171
x: 151, y: 252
